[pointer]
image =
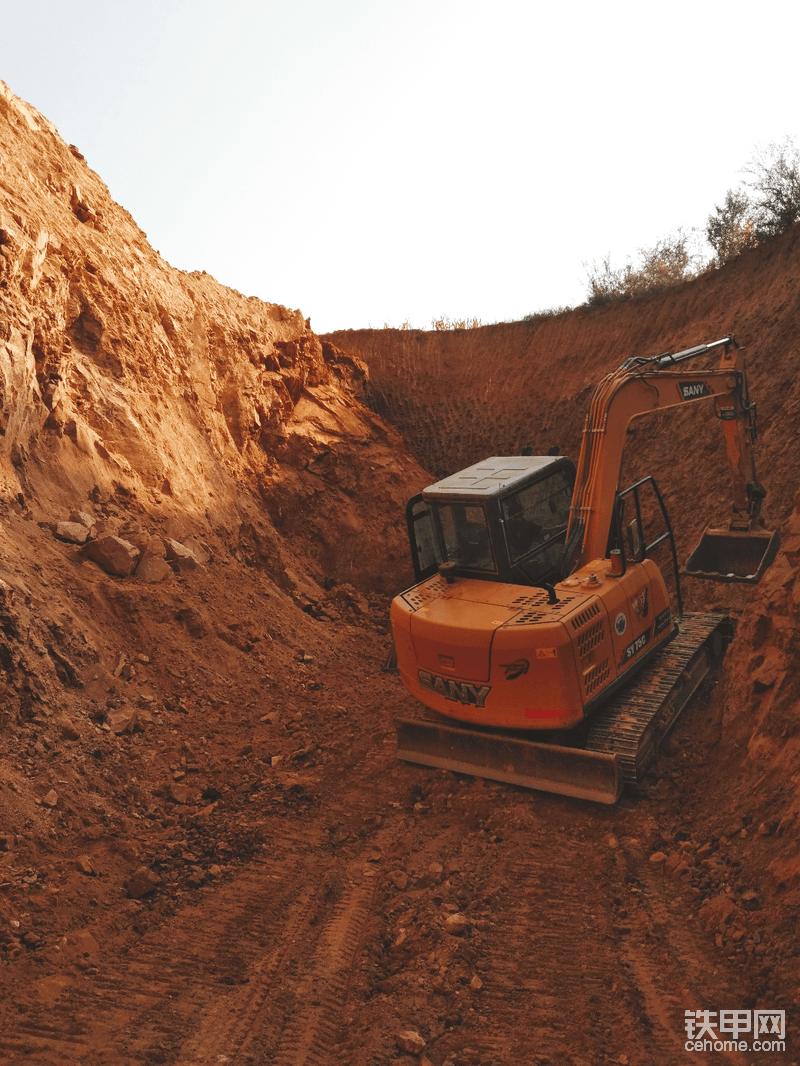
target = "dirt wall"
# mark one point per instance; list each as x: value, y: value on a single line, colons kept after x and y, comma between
x: 124, y: 379
x: 458, y: 395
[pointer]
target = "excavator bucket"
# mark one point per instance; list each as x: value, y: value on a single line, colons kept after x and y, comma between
x: 732, y: 555
x: 573, y: 772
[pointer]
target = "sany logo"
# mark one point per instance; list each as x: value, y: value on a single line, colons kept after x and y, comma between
x: 691, y: 390
x: 455, y: 691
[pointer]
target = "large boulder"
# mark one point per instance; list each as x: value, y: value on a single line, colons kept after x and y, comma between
x: 113, y: 554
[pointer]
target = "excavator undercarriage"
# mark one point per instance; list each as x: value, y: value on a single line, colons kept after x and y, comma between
x: 614, y: 749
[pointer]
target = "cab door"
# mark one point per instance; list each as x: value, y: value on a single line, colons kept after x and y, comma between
x: 423, y: 537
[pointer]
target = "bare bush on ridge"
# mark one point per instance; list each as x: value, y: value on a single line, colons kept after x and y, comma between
x: 774, y: 180
x: 731, y: 228
x: 669, y: 261
x: 457, y: 323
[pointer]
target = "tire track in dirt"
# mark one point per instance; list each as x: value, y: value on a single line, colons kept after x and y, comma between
x: 588, y: 961
x: 144, y: 1006
x: 255, y: 970
x: 671, y: 969
x: 227, y: 1023
x: 322, y: 993
x: 250, y: 1026
x: 551, y: 961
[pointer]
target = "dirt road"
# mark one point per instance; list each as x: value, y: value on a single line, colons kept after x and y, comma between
x: 358, y: 898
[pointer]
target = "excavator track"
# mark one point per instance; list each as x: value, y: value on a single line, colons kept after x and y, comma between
x: 633, y: 723
x: 617, y: 748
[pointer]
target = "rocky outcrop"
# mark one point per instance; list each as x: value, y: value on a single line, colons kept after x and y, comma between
x: 122, y: 379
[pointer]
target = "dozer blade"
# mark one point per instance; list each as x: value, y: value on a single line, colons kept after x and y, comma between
x: 573, y: 772
x: 730, y: 555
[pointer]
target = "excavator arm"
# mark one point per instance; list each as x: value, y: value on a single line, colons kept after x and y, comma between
x: 641, y: 386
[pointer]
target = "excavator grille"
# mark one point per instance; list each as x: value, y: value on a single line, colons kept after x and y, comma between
x: 586, y: 616
x: 538, y: 608
x: 422, y: 593
x: 529, y: 618
x: 535, y: 599
x: 590, y: 638
x: 597, y: 676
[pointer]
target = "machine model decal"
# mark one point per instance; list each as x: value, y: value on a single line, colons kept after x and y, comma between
x: 515, y: 669
x: 641, y: 604
x: 661, y: 622
x: 635, y: 647
x: 455, y: 691
x: 692, y: 390
x: 620, y: 623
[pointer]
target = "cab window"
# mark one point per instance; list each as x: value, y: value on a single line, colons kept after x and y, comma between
x: 466, y: 535
x: 537, y: 514
x: 422, y: 536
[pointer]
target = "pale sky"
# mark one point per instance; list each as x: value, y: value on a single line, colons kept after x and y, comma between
x: 373, y: 162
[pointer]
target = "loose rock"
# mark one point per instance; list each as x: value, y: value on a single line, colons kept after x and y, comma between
x: 112, y: 554
x: 82, y: 518
x: 68, y: 730
x: 456, y: 924
x: 750, y: 900
x: 153, y: 568
x: 198, y: 549
x: 143, y: 882
x: 122, y: 720
x: 178, y: 557
x: 74, y: 532
x: 410, y: 1040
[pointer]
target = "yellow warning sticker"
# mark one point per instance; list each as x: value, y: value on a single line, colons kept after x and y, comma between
x: 545, y: 653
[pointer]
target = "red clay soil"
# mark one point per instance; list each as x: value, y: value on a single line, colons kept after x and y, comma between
x: 208, y: 851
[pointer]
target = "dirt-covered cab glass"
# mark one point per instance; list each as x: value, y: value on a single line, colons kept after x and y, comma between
x: 466, y: 535
x: 535, y: 521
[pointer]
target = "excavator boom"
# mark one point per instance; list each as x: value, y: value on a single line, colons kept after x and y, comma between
x: 743, y: 550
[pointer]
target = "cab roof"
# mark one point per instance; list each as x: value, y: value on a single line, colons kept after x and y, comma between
x: 496, y: 476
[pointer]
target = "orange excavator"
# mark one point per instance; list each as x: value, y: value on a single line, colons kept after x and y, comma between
x: 541, y: 621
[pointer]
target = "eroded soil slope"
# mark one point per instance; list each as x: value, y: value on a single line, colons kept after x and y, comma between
x: 208, y: 851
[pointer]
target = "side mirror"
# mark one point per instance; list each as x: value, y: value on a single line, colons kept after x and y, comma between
x: 633, y: 535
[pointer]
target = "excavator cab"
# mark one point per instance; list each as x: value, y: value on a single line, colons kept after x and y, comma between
x: 504, y: 519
